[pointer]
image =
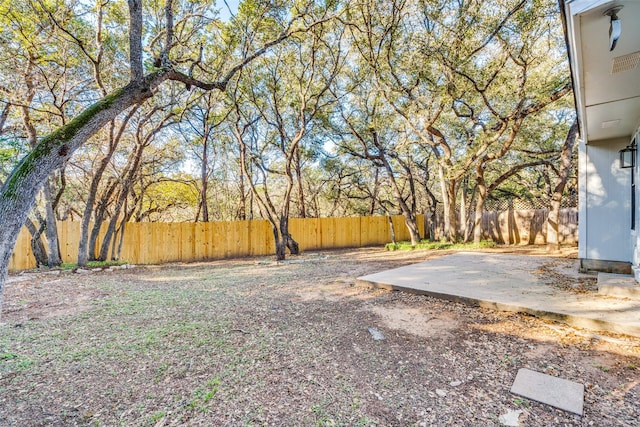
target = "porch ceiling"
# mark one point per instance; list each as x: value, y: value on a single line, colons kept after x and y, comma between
x: 609, y: 101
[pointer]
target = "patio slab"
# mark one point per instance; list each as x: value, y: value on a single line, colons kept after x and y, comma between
x: 618, y: 285
x: 509, y: 283
x: 557, y: 392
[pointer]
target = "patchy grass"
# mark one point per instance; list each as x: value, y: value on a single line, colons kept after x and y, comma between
x: 252, y: 343
x: 431, y: 245
x: 92, y: 264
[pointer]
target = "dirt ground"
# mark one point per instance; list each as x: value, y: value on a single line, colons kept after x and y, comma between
x: 253, y: 342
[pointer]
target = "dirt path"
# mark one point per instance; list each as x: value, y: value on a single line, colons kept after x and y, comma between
x: 251, y: 342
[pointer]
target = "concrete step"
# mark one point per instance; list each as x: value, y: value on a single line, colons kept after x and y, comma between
x: 618, y: 285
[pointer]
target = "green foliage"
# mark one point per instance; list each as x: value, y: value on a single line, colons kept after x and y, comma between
x: 56, y: 140
x: 432, y: 82
x: 92, y: 264
x: 430, y: 245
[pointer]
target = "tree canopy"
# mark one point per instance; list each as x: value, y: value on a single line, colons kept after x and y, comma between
x: 115, y: 111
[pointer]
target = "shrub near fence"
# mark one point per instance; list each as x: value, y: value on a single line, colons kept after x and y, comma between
x: 156, y: 243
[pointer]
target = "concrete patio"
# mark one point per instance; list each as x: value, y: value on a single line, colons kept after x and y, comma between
x: 515, y: 283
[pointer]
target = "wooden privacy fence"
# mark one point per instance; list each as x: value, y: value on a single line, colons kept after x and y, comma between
x: 156, y: 243
x: 528, y: 226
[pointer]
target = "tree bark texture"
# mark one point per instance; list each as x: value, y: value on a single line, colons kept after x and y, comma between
x: 37, y: 247
x: 566, y: 157
x: 99, y: 217
x: 54, y: 258
x: 83, y: 247
x: 19, y: 191
x: 482, y: 196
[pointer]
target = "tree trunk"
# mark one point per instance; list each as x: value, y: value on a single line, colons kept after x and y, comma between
x: 463, y: 210
x: 132, y: 169
x: 95, y: 233
x: 448, y: 189
x: 446, y: 203
x: 204, y: 181
x: 118, y: 251
x: 292, y: 245
x: 54, y: 259
x: 113, y: 222
x: 298, y: 167
x: 432, y: 205
x: 37, y: 247
x: 374, y: 195
x: 265, y: 204
x: 85, y: 245
x: 280, y: 243
x: 242, y: 214
x: 18, y: 194
x: 407, y: 213
x: 482, y: 196
x: 553, y: 240
x: 392, y: 229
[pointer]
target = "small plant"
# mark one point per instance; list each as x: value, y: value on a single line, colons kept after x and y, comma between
x: 156, y: 417
x: 520, y: 401
x: 510, y: 360
x: 202, y: 395
x: 602, y: 368
x: 160, y: 372
x: 8, y: 356
x: 24, y: 363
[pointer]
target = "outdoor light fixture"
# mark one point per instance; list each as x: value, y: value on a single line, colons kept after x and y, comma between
x: 615, y: 27
x: 628, y: 156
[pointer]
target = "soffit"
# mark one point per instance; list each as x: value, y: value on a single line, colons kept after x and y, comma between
x: 611, y: 100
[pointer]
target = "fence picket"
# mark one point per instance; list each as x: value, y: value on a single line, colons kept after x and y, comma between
x: 152, y: 243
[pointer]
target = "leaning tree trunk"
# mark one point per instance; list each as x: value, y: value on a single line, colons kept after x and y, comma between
x: 37, y: 247
x: 83, y: 246
x: 264, y: 202
x: 291, y: 244
x: 298, y: 167
x: 113, y: 223
x: 18, y: 194
x: 553, y: 241
x: 86, y: 246
x: 99, y: 218
x: 408, y: 214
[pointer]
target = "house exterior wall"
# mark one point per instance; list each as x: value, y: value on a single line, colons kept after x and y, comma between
x: 635, y: 234
x: 606, y: 239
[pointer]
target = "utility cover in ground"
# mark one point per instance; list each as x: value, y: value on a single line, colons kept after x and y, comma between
x: 557, y: 392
